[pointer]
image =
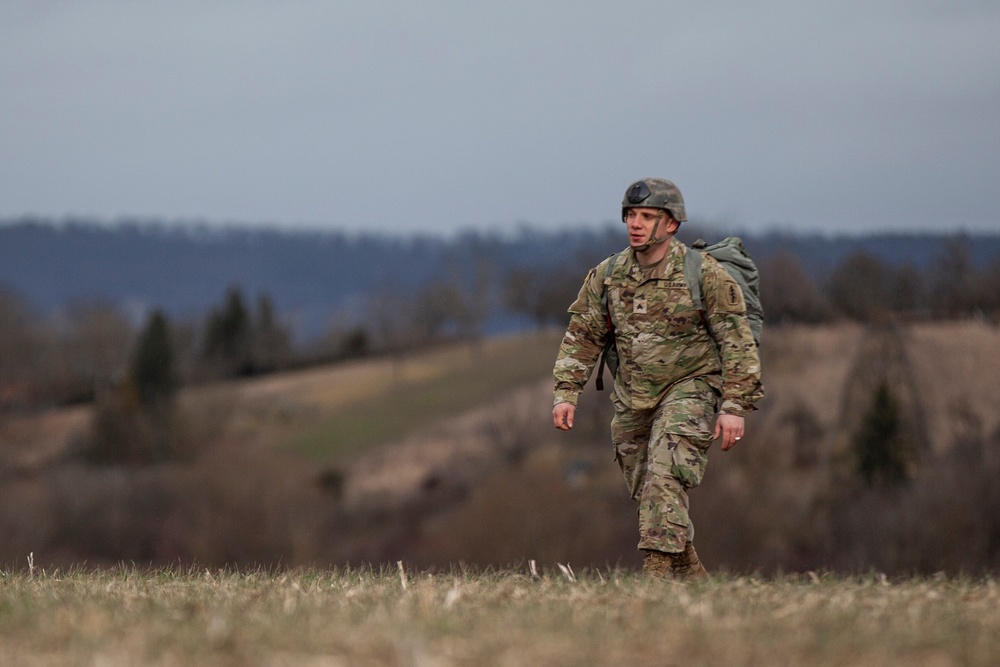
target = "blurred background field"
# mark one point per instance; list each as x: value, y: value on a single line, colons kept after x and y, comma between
x: 410, y: 428
x: 445, y: 471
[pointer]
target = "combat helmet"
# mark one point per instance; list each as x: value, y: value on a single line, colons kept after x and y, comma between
x: 654, y: 193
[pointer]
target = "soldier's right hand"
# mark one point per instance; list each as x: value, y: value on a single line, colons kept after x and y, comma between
x: 562, y: 415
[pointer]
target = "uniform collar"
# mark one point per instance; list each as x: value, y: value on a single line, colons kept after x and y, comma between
x: 672, y: 262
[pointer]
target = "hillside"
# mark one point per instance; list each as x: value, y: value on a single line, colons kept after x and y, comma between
x: 450, y: 456
x: 326, y: 413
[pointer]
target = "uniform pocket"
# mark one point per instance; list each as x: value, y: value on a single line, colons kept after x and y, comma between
x: 689, y: 410
x: 688, y: 461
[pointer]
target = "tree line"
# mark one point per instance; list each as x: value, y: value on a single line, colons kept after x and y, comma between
x: 88, y: 348
x: 864, y: 288
x: 860, y: 287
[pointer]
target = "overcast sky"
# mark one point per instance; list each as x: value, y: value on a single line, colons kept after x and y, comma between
x: 395, y: 117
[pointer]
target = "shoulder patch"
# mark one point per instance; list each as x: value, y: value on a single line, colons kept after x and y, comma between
x: 731, y: 296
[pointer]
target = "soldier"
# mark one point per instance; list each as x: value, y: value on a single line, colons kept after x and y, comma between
x: 679, y: 369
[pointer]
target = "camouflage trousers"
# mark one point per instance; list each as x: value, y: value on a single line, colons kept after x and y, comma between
x: 663, y: 453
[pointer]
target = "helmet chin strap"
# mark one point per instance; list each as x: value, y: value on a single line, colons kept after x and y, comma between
x: 653, y: 240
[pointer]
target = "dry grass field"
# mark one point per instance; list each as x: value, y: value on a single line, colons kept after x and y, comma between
x: 400, y: 617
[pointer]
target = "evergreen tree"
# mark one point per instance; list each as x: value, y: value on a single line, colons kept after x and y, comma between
x: 878, y: 443
x: 135, y: 423
x: 153, y: 364
x: 229, y: 334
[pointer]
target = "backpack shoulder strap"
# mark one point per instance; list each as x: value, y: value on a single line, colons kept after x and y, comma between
x: 608, y: 268
x: 692, y: 274
x: 599, y: 380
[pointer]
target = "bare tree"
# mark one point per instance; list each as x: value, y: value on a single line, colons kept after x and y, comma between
x: 858, y: 288
x: 270, y: 345
x: 991, y: 288
x: 440, y: 307
x: 788, y: 293
x: 956, y: 290
x: 478, y: 302
x: 908, y: 290
x: 95, y: 346
x: 20, y: 350
x: 543, y: 296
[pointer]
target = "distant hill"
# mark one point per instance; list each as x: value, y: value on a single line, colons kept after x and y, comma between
x: 449, y: 456
x: 313, y: 276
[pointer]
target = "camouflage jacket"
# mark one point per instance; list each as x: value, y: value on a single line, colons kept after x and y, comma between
x: 660, y: 337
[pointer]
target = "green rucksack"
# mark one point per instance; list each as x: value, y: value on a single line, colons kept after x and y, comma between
x: 732, y: 255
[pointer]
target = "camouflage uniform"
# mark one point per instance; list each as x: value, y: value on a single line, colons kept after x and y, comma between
x: 671, y: 381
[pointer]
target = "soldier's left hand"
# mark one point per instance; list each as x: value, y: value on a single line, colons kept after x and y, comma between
x: 730, y: 429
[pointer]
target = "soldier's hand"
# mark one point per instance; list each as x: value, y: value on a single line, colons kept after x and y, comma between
x: 730, y: 428
x: 562, y: 415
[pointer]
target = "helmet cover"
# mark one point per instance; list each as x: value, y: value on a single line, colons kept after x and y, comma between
x: 654, y: 193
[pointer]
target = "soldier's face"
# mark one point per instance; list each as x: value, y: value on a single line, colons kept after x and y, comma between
x: 641, y: 222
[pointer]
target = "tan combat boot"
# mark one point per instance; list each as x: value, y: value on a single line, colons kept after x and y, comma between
x: 687, y: 565
x: 657, y: 564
